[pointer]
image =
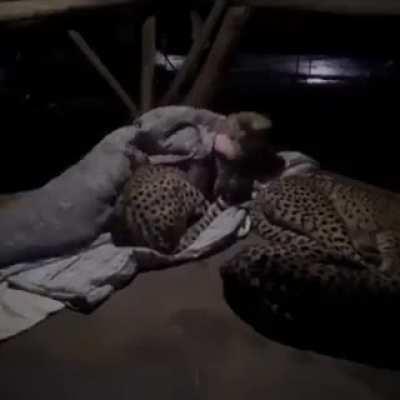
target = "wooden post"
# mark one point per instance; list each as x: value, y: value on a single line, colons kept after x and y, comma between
x: 213, y: 71
x: 148, y: 63
x: 197, y: 25
x: 103, y: 71
x: 187, y: 73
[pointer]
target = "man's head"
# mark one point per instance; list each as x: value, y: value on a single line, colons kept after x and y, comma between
x: 241, y: 135
x: 243, y: 153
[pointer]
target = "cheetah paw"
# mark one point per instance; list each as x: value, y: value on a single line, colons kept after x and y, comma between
x: 244, y: 228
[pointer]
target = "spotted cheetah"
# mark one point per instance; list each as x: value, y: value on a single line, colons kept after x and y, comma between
x: 159, y: 208
x: 156, y: 206
x: 325, y: 307
x: 321, y: 271
x: 371, y: 216
x: 351, y: 221
x: 322, y: 238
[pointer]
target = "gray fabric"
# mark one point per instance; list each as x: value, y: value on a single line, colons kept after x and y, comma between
x: 84, y: 279
x: 72, y: 209
x: 21, y: 310
x: 175, y: 134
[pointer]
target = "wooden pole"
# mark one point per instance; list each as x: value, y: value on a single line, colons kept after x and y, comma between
x: 213, y: 71
x: 103, y: 71
x: 197, y: 25
x: 187, y: 73
x: 148, y: 63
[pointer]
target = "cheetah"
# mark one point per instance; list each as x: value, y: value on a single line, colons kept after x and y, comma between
x: 323, y: 263
x: 321, y: 231
x: 155, y: 208
x: 159, y: 208
x: 351, y: 221
x: 371, y: 216
x: 321, y: 306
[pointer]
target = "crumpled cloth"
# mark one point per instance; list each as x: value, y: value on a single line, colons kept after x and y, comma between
x: 21, y: 310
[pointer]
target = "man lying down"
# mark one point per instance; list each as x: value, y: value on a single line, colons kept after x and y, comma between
x: 161, y: 202
x: 174, y: 168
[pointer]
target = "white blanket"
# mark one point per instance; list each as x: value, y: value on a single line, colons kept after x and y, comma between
x: 61, y: 225
x: 20, y: 310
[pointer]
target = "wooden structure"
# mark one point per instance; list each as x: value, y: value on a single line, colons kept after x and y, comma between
x: 218, y: 60
x: 19, y: 10
x: 196, y: 82
x: 26, y: 9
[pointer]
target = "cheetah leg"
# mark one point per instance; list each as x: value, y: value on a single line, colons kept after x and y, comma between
x: 289, y: 246
x: 293, y: 290
x: 388, y: 243
x: 304, y: 245
x: 197, y: 228
x: 167, y: 235
x: 268, y: 267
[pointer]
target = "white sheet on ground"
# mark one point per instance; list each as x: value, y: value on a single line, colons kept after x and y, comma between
x: 61, y: 225
x: 21, y: 310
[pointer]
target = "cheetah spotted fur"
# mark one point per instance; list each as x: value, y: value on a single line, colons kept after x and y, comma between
x: 156, y: 206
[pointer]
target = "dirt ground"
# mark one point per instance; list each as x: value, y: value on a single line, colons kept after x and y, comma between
x: 170, y: 335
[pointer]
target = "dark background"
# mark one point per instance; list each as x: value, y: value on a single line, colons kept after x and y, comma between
x: 54, y: 107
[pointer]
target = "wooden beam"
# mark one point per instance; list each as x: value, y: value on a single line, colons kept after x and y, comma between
x: 103, y: 71
x: 192, y: 63
x: 342, y: 7
x: 217, y: 64
x: 34, y: 9
x: 148, y: 63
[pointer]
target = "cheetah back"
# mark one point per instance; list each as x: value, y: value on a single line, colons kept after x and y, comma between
x: 296, y: 204
x: 370, y: 214
x: 156, y: 207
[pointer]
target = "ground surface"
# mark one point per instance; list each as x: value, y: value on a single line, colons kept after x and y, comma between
x: 169, y: 335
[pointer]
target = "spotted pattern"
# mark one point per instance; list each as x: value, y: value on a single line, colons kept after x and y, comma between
x: 295, y: 206
x: 326, y: 255
x: 215, y: 209
x: 156, y: 207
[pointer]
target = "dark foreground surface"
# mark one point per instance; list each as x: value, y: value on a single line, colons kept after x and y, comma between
x: 170, y: 335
